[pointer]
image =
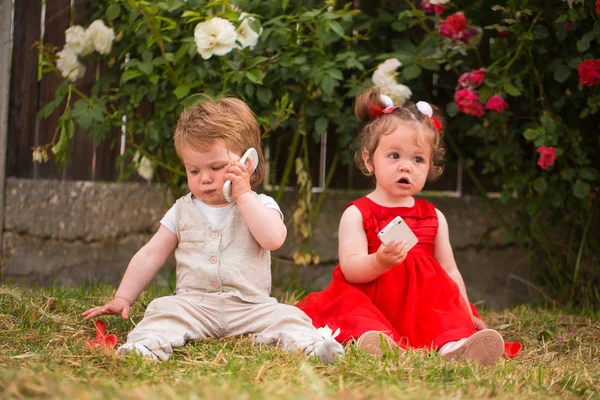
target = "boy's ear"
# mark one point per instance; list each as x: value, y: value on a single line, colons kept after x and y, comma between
x: 367, y: 160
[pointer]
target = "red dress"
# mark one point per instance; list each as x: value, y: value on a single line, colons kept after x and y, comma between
x: 416, y: 302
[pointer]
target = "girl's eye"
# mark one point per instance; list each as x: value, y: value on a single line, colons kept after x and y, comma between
x: 193, y: 171
x: 419, y: 159
x: 218, y: 168
x: 394, y: 156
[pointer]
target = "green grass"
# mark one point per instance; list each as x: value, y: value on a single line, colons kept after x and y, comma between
x: 43, y: 355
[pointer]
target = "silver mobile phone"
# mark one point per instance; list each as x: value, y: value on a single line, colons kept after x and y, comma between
x: 397, y: 230
x: 250, y: 153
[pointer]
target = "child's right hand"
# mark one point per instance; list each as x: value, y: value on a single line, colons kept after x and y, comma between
x: 391, y: 255
x: 115, y: 306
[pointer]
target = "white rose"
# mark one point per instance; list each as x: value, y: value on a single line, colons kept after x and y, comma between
x: 399, y: 94
x: 246, y: 35
x: 385, y: 74
x: 68, y: 64
x: 101, y: 36
x: 216, y: 36
x: 439, y: 1
x: 144, y: 168
x: 77, y: 39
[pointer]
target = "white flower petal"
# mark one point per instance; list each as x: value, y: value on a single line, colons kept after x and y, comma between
x: 101, y: 36
x: 68, y: 64
x: 215, y: 36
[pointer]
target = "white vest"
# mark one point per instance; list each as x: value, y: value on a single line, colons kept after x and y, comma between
x: 226, y: 259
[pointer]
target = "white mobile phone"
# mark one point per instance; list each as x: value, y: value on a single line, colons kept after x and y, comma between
x: 250, y: 153
x: 397, y: 230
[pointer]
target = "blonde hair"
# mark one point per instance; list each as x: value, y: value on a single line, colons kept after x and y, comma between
x: 227, y: 120
x: 376, y: 126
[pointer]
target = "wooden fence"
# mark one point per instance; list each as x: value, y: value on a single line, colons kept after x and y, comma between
x: 37, y: 20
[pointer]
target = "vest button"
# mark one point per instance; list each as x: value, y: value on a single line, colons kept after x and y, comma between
x: 215, y: 285
x: 213, y: 259
x: 215, y: 235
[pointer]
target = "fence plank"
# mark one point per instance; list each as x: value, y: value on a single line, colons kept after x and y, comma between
x: 23, y: 99
x: 56, y: 21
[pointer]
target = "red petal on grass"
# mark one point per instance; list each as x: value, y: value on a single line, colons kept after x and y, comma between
x: 511, y: 349
x: 102, y: 339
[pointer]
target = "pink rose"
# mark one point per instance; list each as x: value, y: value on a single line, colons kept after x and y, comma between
x: 547, y: 157
x: 589, y: 72
x: 471, y: 79
x: 430, y: 8
x: 467, y: 102
x: 496, y: 104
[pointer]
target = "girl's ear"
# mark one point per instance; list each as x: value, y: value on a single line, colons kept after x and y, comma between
x: 367, y: 160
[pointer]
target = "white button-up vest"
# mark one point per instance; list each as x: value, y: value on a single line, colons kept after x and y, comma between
x: 226, y: 259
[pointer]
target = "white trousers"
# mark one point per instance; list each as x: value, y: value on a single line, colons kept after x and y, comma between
x: 172, y: 320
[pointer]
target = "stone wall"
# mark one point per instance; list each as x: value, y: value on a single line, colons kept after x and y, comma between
x: 76, y: 232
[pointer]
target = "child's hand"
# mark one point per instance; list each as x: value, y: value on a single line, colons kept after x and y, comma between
x: 391, y: 255
x: 239, y: 175
x: 478, y: 322
x: 115, y: 306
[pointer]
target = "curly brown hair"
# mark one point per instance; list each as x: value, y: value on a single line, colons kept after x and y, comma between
x: 375, y: 126
x: 228, y: 121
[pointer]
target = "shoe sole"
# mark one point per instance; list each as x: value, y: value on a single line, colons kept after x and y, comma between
x: 485, y: 347
x: 375, y: 343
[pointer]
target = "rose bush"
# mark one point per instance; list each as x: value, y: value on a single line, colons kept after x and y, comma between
x: 519, y: 82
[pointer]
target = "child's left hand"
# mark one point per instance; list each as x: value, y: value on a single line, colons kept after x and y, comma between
x: 478, y: 322
x: 239, y: 175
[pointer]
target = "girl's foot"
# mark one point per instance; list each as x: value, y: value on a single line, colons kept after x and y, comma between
x: 485, y: 346
x: 376, y: 342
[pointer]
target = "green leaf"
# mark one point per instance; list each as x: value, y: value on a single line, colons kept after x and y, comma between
x: 321, y: 124
x: 146, y: 68
x: 540, y: 185
x: 255, y: 76
x: 335, y: 74
x: 451, y: 109
x: 510, y: 89
x: 181, y: 91
x: 255, y: 61
x: 264, y: 95
x: 399, y: 26
x: 485, y: 93
x: 129, y: 75
x: 597, y: 28
x: 540, y: 32
x: 583, y: 44
x: 568, y: 174
x: 328, y: 84
x: 581, y: 189
x: 113, y: 11
x: 337, y: 28
x: 531, y: 133
x: 430, y: 65
x: 562, y: 73
x: 411, y: 72
x: 284, y: 4
x: 589, y: 173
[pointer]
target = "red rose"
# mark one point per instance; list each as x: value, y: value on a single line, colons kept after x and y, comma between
x: 547, y: 157
x: 467, y: 102
x: 502, y: 34
x: 589, y: 71
x: 439, y: 8
x: 567, y: 25
x: 496, y: 104
x: 457, y: 22
x: 598, y: 7
x: 471, y: 79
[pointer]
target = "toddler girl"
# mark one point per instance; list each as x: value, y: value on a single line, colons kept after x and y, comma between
x: 222, y: 249
x: 385, y: 294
